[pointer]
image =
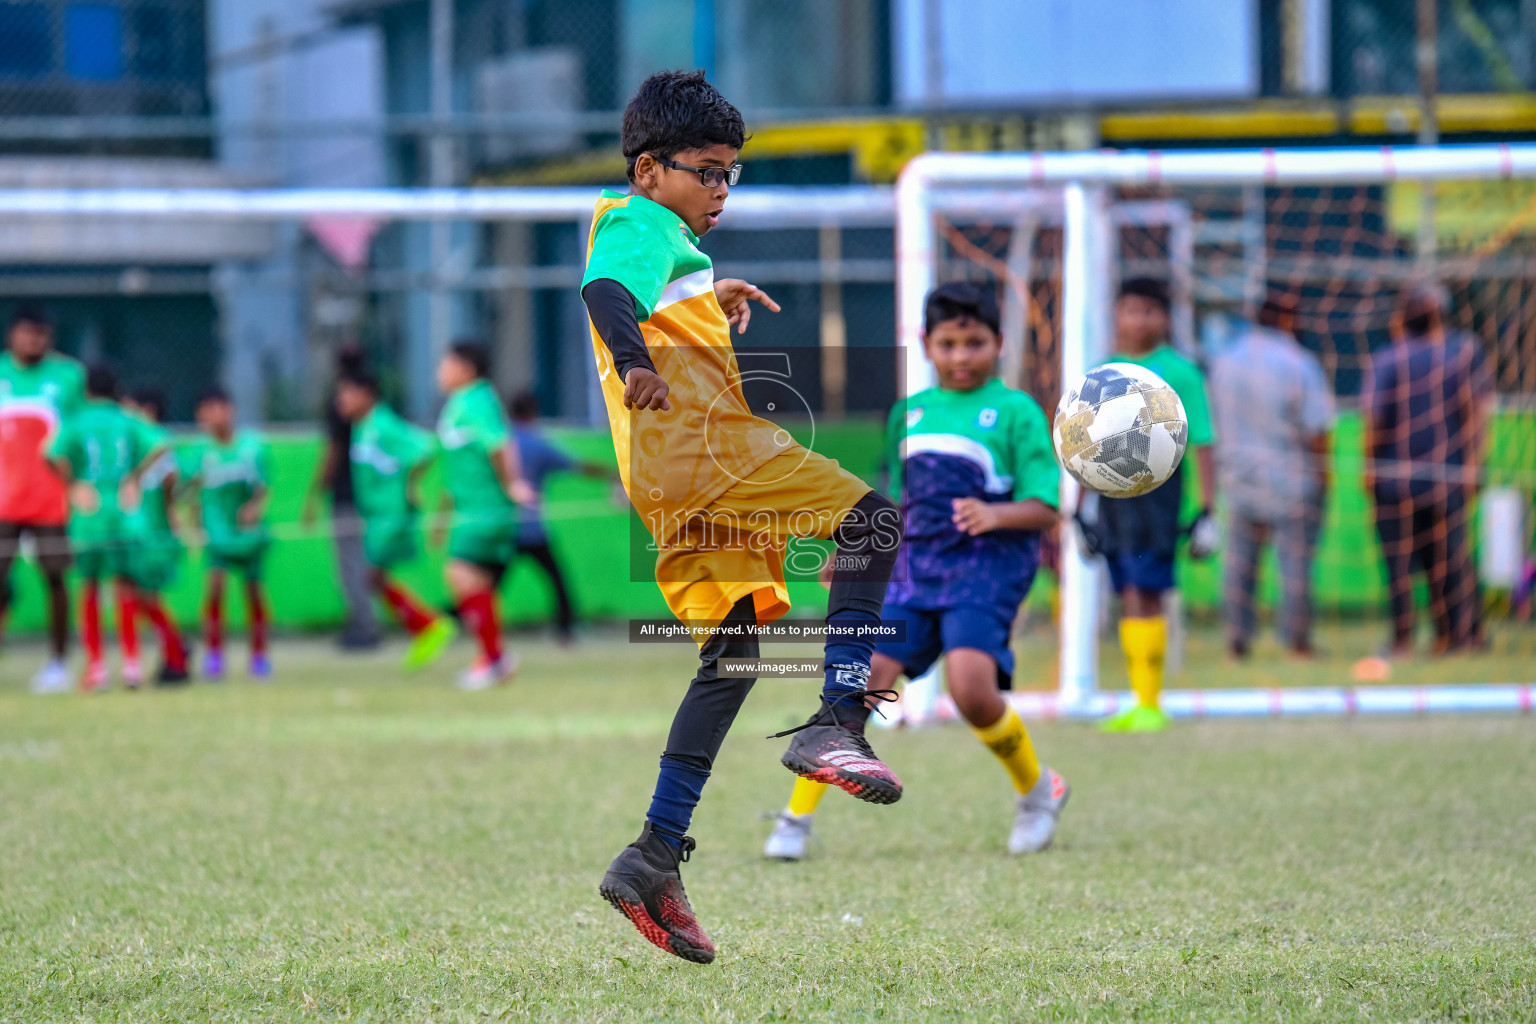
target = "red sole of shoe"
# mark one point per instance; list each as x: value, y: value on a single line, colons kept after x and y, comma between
x: 874, y: 791
x: 654, y: 933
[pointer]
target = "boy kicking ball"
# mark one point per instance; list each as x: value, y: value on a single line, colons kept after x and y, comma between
x: 980, y: 486
x: 720, y: 490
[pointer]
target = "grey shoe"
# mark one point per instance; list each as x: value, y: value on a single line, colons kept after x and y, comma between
x: 1034, y: 824
x: 790, y: 837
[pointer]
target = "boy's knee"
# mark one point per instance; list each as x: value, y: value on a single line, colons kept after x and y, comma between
x: 874, y: 517
x: 711, y: 671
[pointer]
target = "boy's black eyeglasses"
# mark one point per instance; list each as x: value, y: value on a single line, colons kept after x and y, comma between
x: 709, y: 177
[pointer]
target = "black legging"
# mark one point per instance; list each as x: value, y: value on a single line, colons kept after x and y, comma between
x: 565, y: 617
x: 711, y: 702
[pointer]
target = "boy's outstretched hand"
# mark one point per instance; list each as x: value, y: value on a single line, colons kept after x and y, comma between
x: 734, y: 296
x: 643, y: 389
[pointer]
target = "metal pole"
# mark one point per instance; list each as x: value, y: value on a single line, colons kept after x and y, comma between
x: 704, y: 37
x: 441, y: 171
x: 1079, y: 641
x: 933, y: 54
x: 1427, y: 59
x: 914, y: 276
x: 1016, y: 299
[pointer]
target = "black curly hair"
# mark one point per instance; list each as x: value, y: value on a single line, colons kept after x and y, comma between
x: 961, y: 300
x: 1147, y: 288
x: 677, y: 110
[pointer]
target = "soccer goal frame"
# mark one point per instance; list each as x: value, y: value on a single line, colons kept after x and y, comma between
x: 937, y: 183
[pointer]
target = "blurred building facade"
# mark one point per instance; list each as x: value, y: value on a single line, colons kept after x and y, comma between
x: 465, y: 92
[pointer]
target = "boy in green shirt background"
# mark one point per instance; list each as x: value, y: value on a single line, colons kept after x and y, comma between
x: 386, y: 458
x: 1139, y: 536
x: 154, y: 550
x: 98, y: 453
x: 39, y: 390
x: 230, y: 474
x: 482, y: 486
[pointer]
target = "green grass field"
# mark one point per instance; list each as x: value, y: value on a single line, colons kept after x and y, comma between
x: 348, y: 845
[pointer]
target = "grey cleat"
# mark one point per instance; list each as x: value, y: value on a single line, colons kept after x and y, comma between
x: 790, y: 837
x: 1034, y: 825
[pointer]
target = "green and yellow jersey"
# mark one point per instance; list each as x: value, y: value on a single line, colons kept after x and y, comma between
x: 673, y: 462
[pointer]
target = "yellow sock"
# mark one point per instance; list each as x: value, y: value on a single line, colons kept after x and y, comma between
x: 805, y: 796
x: 1145, y: 641
x: 1009, y: 740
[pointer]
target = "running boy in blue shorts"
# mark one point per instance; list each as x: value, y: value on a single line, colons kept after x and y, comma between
x: 971, y: 463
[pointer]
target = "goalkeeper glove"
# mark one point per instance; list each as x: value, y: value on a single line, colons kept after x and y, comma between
x: 1204, y: 535
x: 1093, y: 540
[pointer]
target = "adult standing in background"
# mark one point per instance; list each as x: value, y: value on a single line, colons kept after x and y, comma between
x: 39, y: 389
x: 1274, y: 416
x: 333, y: 479
x: 1426, y: 408
x: 539, y: 457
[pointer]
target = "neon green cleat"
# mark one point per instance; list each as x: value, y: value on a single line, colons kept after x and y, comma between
x: 429, y: 645
x: 1137, y: 719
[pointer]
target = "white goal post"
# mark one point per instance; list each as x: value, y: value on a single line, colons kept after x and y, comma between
x: 938, y: 182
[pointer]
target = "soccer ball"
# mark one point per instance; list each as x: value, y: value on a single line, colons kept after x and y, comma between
x: 1121, y: 430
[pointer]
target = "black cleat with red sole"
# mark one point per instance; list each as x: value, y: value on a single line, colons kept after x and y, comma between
x: 644, y: 884
x: 831, y: 748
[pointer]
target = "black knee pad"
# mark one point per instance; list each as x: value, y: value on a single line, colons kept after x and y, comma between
x: 873, y: 518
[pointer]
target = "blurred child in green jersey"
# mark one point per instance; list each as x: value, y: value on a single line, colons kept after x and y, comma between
x: 99, y: 452
x: 386, y: 457
x: 155, y: 551
x: 231, y: 474
x: 1139, y: 536
x: 483, y: 487
x: 39, y: 390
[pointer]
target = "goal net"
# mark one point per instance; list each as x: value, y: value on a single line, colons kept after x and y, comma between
x: 1297, y: 280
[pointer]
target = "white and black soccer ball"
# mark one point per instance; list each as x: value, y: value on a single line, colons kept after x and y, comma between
x: 1121, y: 430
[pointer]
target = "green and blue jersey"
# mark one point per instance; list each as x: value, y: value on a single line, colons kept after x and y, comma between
x: 991, y: 443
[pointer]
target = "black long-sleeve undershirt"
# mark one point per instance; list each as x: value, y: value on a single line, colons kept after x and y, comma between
x: 612, y: 309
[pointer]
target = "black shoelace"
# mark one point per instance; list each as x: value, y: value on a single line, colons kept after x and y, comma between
x: 829, y: 709
x: 685, y: 844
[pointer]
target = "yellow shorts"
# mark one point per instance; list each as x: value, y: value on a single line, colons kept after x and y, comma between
x: 735, y: 546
